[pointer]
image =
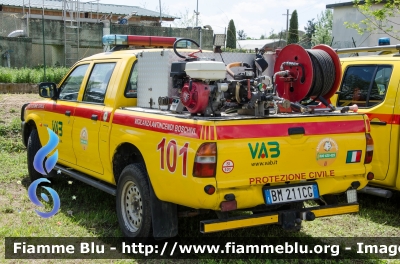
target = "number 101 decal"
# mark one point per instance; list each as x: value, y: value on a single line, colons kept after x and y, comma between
x: 171, y: 158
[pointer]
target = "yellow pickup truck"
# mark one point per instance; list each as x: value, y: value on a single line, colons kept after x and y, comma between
x: 171, y: 132
x: 371, y: 82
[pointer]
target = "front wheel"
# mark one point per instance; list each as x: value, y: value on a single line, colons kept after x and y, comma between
x: 133, y: 202
x: 33, y: 147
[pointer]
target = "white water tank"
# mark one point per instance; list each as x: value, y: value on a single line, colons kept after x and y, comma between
x: 206, y: 70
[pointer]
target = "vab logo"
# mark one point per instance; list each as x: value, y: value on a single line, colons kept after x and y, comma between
x: 261, y: 151
x: 57, y: 127
x: 49, y: 163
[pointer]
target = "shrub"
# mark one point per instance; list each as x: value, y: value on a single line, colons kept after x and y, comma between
x: 31, y: 75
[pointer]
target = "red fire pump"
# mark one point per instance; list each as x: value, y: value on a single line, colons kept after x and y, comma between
x: 195, y: 96
x: 203, y: 91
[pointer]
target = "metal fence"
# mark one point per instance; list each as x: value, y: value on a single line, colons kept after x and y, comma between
x: 33, y: 51
x: 206, y: 35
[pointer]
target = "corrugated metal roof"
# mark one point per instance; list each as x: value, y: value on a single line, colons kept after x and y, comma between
x: 87, y: 7
x: 346, y: 4
x: 258, y: 43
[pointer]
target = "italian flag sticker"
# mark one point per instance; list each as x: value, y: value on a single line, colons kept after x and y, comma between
x: 353, y: 156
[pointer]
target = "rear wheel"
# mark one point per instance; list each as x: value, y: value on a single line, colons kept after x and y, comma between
x: 32, y: 148
x: 133, y: 202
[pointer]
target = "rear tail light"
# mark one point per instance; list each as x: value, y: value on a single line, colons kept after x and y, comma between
x: 370, y: 149
x: 205, y: 161
x: 209, y: 189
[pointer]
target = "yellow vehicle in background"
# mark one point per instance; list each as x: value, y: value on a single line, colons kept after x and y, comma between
x: 163, y: 129
x: 372, y: 83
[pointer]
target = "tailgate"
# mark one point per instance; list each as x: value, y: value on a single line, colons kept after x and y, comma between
x: 278, y: 150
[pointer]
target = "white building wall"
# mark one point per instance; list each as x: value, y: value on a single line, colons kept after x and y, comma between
x: 343, y: 36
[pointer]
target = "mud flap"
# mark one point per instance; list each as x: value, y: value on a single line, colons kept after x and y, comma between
x: 164, y: 217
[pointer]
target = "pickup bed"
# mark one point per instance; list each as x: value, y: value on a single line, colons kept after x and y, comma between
x: 162, y: 164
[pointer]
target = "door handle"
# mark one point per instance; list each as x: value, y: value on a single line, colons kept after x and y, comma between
x: 68, y: 113
x: 94, y: 117
x: 296, y: 131
x: 379, y: 123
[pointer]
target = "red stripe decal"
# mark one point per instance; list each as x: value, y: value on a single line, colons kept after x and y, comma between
x: 212, y: 133
x: 158, y: 125
x: 59, y: 109
x: 388, y: 118
x: 88, y: 112
x: 281, y: 130
x: 35, y: 106
x: 51, y: 107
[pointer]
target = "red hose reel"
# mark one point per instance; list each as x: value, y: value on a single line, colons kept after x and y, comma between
x: 304, y: 73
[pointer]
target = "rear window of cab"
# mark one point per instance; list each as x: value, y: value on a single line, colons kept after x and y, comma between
x: 364, y: 85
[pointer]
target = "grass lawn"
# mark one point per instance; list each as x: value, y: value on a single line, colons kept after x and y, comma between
x: 88, y: 212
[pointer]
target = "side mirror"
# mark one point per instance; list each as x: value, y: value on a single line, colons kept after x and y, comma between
x: 48, y: 90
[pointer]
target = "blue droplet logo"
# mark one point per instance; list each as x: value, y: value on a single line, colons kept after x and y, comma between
x: 34, y: 199
x: 49, y: 164
x: 44, y: 151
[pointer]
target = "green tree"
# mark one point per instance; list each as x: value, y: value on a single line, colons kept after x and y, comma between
x: 231, y: 35
x: 293, y: 29
x: 186, y: 19
x: 377, y: 15
x: 274, y: 36
x: 309, y: 32
x: 279, y: 35
x: 323, y: 28
x: 262, y: 37
x: 241, y: 34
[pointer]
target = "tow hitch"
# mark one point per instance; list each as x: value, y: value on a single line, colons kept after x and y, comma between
x: 291, y: 220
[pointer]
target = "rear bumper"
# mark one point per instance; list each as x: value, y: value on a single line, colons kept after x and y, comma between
x: 283, y: 218
x: 250, y: 196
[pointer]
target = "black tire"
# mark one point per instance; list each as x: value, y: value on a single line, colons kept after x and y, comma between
x: 330, y: 199
x: 135, y: 218
x: 32, y: 148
